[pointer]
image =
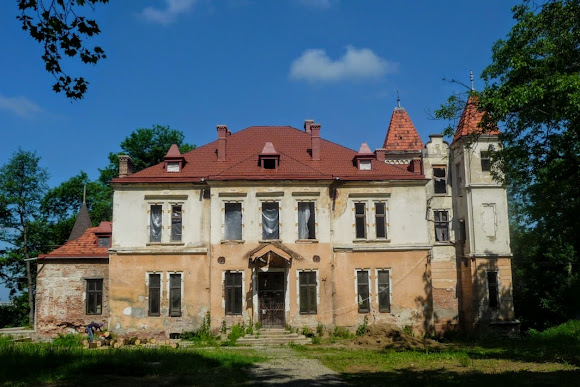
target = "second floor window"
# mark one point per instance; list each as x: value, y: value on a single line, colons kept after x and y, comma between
x: 440, y: 180
x: 233, y: 221
x: 485, y: 161
x: 155, y: 223
x: 360, y: 220
x: 441, y: 220
x: 306, y: 221
x: 270, y: 220
x: 176, y: 223
x: 381, y: 220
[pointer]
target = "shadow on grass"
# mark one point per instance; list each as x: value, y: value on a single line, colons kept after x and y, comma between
x: 35, y: 364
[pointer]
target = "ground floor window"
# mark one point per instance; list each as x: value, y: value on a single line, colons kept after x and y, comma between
x: 492, y: 289
x: 175, y: 295
x: 154, y: 294
x: 95, y: 296
x: 233, y: 293
x: 363, y: 298
x: 384, y: 289
x: 307, y: 284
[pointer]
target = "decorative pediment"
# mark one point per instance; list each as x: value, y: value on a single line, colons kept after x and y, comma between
x: 273, y: 254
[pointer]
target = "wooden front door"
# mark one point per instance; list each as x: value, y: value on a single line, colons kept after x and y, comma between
x: 271, y: 298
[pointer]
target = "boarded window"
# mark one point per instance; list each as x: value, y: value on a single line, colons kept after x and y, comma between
x: 362, y: 283
x: 154, y: 294
x: 306, y: 221
x: 485, y: 161
x: 155, y: 223
x: 384, y: 291
x: 360, y: 220
x: 176, y: 223
x: 233, y: 293
x: 233, y: 219
x: 488, y: 220
x: 492, y: 289
x: 307, y: 281
x: 365, y: 165
x: 175, y: 295
x: 94, y: 296
x: 104, y: 241
x: 441, y: 226
x: 270, y: 221
x: 381, y: 220
x: 440, y: 180
x: 172, y: 166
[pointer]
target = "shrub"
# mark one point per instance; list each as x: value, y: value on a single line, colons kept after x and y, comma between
x: 236, y: 332
x: 362, y: 329
x: 320, y: 330
x: 307, y: 332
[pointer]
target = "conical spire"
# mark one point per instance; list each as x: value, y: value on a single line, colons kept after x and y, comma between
x: 82, y: 223
x: 402, y: 135
x: 470, y: 119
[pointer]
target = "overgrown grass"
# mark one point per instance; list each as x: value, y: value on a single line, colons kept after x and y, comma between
x: 39, y: 363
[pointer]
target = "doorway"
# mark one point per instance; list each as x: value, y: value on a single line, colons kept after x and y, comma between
x: 271, y: 299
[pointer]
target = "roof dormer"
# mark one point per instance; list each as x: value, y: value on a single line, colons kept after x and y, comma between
x: 269, y: 158
x: 174, y: 161
x: 363, y: 159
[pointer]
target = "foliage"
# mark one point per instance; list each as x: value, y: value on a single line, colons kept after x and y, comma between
x: 202, y: 336
x: 16, y: 313
x: 342, y: 333
x: 59, y: 27
x: 69, y: 340
x: 319, y: 330
x: 362, y: 329
x: 306, y: 331
x: 237, y: 331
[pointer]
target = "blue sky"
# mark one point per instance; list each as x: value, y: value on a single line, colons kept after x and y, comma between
x: 193, y: 64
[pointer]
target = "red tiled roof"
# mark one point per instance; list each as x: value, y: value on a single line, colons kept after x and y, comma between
x: 173, y: 152
x: 402, y: 135
x: 84, y: 246
x: 293, y: 145
x: 470, y: 119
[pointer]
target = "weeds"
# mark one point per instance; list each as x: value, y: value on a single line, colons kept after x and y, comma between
x: 362, y: 329
x: 70, y: 340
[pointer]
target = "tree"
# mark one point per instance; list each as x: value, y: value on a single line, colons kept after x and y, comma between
x: 22, y: 185
x: 60, y: 28
x: 147, y: 147
x: 532, y: 89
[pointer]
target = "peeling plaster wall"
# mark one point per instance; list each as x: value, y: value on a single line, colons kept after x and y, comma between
x: 61, y: 294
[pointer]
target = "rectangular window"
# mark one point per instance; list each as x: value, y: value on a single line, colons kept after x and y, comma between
x: 440, y: 180
x: 441, y: 219
x: 233, y: 221
x: 307, y: 281
x: 175, y: 295
x: 306, y: 221
x: 485, y: 161
x: 360, y: 220
x: 270, y: 220
x: 176, y: 223
x: 362, y: 284
x: 233, y: 288
x: 104, y: 241
x: 384, y: 290
x: 94, y: 296
x: 381, y: 220
x: 155, y: 223
x: 154, y: 294
x: 492, y: 289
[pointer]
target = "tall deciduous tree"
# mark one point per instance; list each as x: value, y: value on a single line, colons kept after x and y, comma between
x: 532, y: 88
x: 58, y: 25
x: 22, y: 186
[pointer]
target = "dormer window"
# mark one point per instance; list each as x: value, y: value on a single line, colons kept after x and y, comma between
x: 364, y: 165
x: 363, y: 159
x: 104, y: 241
x: 174, y: 161
x: 269, y: 158
x: 173, y: 166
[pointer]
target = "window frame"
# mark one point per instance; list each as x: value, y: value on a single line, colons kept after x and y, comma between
x: 102, y: 238
x: 358, y: 285
x: 362, y: 217
x: 384, y: 221
x: 233, y: 288
x: 444, y: 224
x: 313, y: 217
x: 224, y: 220
x: 150, y: 295
x: 485, y: 160
x: 261, y: 225
x: 172, y: 290
x: 311, y: 307
x: 496, y: 301
x: 445, y: 178
x: 389, y: 292
x: 172, y: 221
x: 151, y: 205
x: 94, y: 297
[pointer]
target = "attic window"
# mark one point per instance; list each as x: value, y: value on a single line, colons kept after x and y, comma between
x: 173, y: 166
x: 269, y: 162
x: 364, y: 165
x: 104, y: 241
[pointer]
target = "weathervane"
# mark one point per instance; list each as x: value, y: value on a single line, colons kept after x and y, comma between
x: 471, y: 78
x: 398, y: 99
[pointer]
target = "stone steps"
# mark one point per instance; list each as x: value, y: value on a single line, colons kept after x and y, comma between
x: 266, y: 337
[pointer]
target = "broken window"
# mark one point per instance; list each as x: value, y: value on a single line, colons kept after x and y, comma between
x: 104, y: 241
x: 176, y: 223
x: 154, y: 294
x: 175, y: 295
x: 155, y: 223
x: 94, y: 296
x: 362, y: 283
x: 485, y: 161
x: 233, y: 221
x: 360, y: 220
x: 440, y: 180
x: 492, y: 289
x: 381, y: 220
x: 384, y: 291
x: 441, y: 219
x: 270, y: 220
x: 306, y: 221
x: 233, y: 293
x: 307, y: 280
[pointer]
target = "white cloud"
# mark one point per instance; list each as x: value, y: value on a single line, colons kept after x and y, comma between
x: 20, y: 106
x: 356, y: 64
x: 321, y: 4
x: 167, y: 15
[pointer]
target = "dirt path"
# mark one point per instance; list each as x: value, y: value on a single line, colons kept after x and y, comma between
x: 286, y: 368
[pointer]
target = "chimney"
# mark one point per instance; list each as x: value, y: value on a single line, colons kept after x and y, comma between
x: 380, y: 154
x: 222, y: 134
x: 315, y: 137
x: 125, y: 165
x: 415, y: 166
x: 308, y: 125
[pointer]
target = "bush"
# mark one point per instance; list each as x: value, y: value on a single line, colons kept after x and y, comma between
x: 203, y: 335
x: 70, y: 340
x: 362, y: 329
x: 307, y: 332
x: 236, y: 332
x: 320, y: 330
